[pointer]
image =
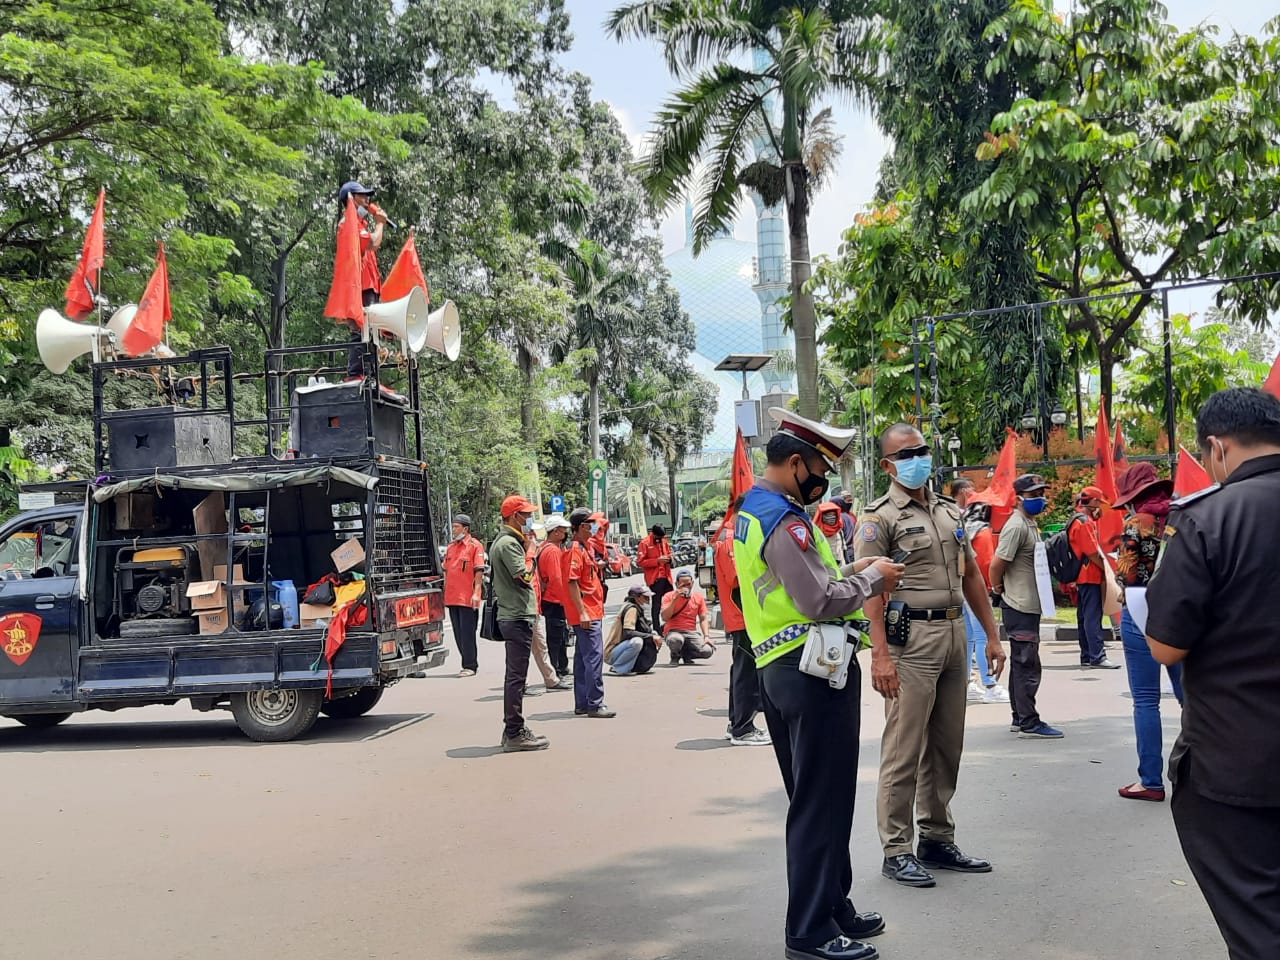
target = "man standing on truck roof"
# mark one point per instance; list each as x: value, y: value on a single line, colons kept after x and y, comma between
x: 517, y: 610
x: 463, y: 588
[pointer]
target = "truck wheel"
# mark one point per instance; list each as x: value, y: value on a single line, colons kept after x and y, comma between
x: 273, y: 716
x: 41, y: 721
x: 356, y: 705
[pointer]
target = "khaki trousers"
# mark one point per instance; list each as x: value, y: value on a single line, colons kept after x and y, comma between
x: 923, y: 736
x: 540, y: 656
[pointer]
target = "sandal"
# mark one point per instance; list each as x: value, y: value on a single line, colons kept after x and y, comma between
x: 1136, y: 791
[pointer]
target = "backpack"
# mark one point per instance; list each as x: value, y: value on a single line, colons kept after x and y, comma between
x: 1063, y: 562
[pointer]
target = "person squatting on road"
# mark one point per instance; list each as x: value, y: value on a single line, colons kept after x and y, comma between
x: 585, y: 612
x: 685, y: 622
x: 635, y: 649
x: 517, y: 610
x: 925, y: 680
x: 790, y: 583
x: 1212, y: 608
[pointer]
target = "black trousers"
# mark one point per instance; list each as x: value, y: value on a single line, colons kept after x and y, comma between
x: 1024, y: 665
x: 464, y: 620
x: 557, y: 637
x: 1234, y: 854
x: 647, y: 657
x: 518, y: 638
x: 744, y: 685
x: 815, y: 739
x: 660, y: 587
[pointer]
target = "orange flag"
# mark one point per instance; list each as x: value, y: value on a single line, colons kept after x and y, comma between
x: 1272, y: 383
x: 147, y: 329
x: 1111, y: 523
x: 999, y: 492
x: 743, y: 477
x: 82, y: 289
x: 1191, y: 476
x: 344, y: 301
x: 1119, y: 462
x: 406, y: 274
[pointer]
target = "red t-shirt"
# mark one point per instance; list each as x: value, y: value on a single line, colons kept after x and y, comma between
x: 461, y: 558
x: 1083, y: 536
x: 370, y: 278
x: 984, y: 548
x: 682, y: 613
x: 726, y: 580
x: 579, y: 566
x: 550, y: 578
x: 654, y: 559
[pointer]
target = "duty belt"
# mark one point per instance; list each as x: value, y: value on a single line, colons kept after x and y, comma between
x: 941, y: 613
x: 796, y: 630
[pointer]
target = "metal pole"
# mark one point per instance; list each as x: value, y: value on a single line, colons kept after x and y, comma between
x: 1044, y: 406
x: 935, y: 408
x: 1170, y: 414
x: 1075, y: 357
x: 915, y: 363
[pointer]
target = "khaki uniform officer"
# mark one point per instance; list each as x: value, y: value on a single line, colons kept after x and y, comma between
x: 925, y: 682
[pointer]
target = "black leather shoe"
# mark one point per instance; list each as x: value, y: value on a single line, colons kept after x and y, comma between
x: 906, y: 869
x: 939, y: 855
x: 862, y: 925
x: 841, y: 948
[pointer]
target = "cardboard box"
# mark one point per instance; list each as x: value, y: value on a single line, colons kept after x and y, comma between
x: 209, y: 595
x: 237, y: 572
x: 310, y: 613
x: 213, y: 621
x: 210, y: 517
x: 349, y: 555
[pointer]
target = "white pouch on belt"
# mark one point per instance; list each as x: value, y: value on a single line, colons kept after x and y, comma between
x: 827, y: 654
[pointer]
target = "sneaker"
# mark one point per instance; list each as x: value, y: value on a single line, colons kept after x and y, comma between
x: 995, y: 694
x: 466, y: 673
x: 1105, y: 664
x: 975, y: 692
x: 728, y: 731
x: 756, y: 738
x: 562, y: 685
x: 601, y: 712
x: 674, y: 661
x: 1041, y: 731
x: 523, y: 741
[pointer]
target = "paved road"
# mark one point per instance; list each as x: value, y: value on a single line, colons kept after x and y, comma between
x: 162, y: 833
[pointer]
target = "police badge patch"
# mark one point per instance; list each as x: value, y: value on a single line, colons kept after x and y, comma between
x: 870, y: 530
x: 800, y: 531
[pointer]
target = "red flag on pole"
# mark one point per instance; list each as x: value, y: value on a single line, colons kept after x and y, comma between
x: 1111, y: 523
x: 344, y: 293
x: 1272, y: 383
x: 82, y: 289
x: 742, y: 478
x: 999, y: 492
x: 1191, y: 476
x: 1119, y: 462
x: 406, y: 274
x: 147, y: 329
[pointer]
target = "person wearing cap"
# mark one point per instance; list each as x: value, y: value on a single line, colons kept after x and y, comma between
x: 1013, y: 580
x: 1212, y: 608
x: 744, y: 679
x: 924, y: 682
x: 370, y: 241
x: 1082, y: 533
x: 635, y: 650
x: 789, y: 581
x: 517, y: 610
x: 585, y: 612
x: 463, y: 590
x: 540, y: 655
x: 598, y: 547
x: 654, y: 557
x: 686, y: 624
x: 1147, y: 500
x: 549, y: 565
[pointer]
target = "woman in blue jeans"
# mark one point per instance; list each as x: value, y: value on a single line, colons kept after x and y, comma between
x: 1148, y: 498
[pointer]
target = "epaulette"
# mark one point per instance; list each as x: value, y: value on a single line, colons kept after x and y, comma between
x: 1191, y: 498
x: 877, y: 504
x: 944, y: 498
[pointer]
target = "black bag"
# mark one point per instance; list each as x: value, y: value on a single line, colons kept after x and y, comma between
x: 1063, y: 562
x: 897, y: 623
x: 488, y: 627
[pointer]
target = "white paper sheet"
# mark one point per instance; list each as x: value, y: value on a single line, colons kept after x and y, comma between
x: 1044, y: 581
x: 1135, y: 601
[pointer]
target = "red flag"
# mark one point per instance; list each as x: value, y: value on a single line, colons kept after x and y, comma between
x: 1272, y: 383
x: 83, y: 286
x: 999, y: 492
x: 406, y: 274
x: 742, y: 477
x: 1111, y: 523
x: 1119, y: 462
x: 1191, y: 476
x: 344, y: 301
x: 147, y: 329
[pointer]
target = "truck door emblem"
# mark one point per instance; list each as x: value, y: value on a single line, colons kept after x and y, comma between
x: 18, y: 635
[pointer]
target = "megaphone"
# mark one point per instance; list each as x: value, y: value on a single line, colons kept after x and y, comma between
x: 120, y: 322
x: 60, y: 340
x: 405, y: 319
x: 444, y: 331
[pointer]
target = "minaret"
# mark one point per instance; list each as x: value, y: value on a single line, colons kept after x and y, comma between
x: 772, y: 276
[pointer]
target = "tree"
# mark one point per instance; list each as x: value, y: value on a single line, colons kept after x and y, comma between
x: 803, y: 52
x: 1147, y: 155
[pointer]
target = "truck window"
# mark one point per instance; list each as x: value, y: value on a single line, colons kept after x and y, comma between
x: 45, y: 548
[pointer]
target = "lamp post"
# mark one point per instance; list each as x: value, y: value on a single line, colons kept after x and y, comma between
x: 953, y: 445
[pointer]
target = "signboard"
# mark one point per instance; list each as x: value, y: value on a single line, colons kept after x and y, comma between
x: 596, y: 472
x: 531, y: 485
x: 635, y: 508
x: 35, y: 501
x: 557, y: 503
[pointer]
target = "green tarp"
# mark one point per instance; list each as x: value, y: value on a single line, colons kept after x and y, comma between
x: 240, y: 482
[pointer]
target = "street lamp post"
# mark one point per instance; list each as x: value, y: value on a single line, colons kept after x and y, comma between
x: 953, y: 445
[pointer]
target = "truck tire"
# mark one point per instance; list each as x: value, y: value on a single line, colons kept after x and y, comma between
x: 356, y: 705
x: 41, y: 721
x: 274, y: 716
x: 161, y: 627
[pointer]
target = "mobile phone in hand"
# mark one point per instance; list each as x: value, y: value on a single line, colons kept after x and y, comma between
x: 900, y: 556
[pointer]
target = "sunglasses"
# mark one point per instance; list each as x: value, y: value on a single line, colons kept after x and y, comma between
x: 906, y: 453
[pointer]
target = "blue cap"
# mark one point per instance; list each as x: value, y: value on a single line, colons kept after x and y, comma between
x: 350, y: 187
x: 686, y: 572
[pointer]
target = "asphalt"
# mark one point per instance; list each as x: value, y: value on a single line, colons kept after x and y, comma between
x: 162, y: 833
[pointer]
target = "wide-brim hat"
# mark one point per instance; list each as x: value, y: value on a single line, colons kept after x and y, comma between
x: 831, y: 442
x: 1138, y: 479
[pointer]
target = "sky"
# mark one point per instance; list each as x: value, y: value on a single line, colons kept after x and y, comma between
x: 633, y: 79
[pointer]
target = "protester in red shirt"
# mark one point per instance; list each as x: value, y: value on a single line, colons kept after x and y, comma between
x: 549, y: 585
x: 684, y: 611
x: 1082, y: 532
x: 744, y: 683
x: 463, y: 589
x: 585, y: 612
x: 654, y: 557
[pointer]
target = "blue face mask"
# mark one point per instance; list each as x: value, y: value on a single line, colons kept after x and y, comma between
x: 1034, y: 505
x: 595, y: 528
x: 528, y: 525
x: 913, y: 473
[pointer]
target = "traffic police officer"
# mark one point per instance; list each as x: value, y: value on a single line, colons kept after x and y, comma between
x: 788, y: 581
x: 1212, y: 607
x: 924, y: 682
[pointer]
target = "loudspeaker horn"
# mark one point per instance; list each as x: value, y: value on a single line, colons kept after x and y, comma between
x: 444, y: 331
x: 405, y: 319
x: 60, y: 340
x: 119, y: 324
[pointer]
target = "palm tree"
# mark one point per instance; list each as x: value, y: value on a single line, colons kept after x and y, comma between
x: 650, y: 478
x: 751, y: 126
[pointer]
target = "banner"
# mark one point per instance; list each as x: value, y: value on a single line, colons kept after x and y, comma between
x: 597, y: 472
x: 635, y: 509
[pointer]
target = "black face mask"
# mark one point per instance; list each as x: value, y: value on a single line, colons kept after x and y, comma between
x: 812, y: 487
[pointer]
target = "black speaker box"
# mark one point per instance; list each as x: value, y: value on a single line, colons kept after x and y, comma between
x: 157, y: 437
x: 333, y: 420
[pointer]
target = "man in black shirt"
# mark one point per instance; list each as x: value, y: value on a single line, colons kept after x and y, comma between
x: 1213, y: 608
